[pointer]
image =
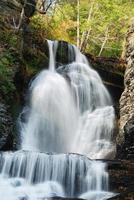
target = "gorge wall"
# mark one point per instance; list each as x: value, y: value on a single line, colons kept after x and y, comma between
x: 125, y: 138
x: 111, y: 71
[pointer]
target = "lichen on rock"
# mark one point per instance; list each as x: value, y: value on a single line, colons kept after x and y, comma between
x: 125, y: 138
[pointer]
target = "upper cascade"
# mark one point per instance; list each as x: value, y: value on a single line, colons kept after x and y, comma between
x: 70, y: 109
x: 53, y: 45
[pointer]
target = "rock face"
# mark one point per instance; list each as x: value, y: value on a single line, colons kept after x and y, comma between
x: 121, y: 179
x: 125, y: 138
x: 6, y: 127
x: 111, y: 70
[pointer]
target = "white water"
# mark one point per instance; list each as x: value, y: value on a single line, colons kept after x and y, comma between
x: 70, y: 111
x: 53, y: 116
x: 33, y: 175
x: 52, y: 51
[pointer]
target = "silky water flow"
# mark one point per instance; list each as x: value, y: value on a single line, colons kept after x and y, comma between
x: 68, y: 122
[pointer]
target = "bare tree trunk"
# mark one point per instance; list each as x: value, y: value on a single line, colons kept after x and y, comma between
x: 86, y: 33
x: 78, y: 23
x: 104, y: 42
x: 84, y: 43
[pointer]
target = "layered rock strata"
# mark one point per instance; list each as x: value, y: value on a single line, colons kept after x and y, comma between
x: 125, y: 138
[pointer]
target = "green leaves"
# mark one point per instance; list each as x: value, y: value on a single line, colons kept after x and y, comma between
x: 95, y: 17
x: 115, y: 16
x: 6, y: 74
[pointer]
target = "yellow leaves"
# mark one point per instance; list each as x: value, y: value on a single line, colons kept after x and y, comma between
x: 61, y: 32
x: 68, y: 24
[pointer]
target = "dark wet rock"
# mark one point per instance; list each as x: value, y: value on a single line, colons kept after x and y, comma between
x: 23, y: 198
x: 65, y: 53
x: 6, y: 128
x: 122, y: 179
x: 14, y: 6
x: 127, y: 148
x: 62, y: 198
x: 10, y: 6
x: 29, y: 8
x: 123, y: 196
x: 111, y: 71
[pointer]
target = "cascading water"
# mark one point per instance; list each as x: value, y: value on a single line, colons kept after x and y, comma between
x: 53, y: 45
x: 70, y: 110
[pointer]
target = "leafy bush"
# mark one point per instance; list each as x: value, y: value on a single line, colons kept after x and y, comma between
x: 6, y: 74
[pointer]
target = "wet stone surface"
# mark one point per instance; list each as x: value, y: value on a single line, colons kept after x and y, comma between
x: 6, y: 126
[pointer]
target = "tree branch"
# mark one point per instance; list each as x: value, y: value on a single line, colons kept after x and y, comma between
x: 86, y: 33
x: 104, y: 42
x: 42, y: 9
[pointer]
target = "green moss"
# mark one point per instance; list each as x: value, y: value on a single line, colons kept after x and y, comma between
x: 37, y: 61
x: 6, y: 74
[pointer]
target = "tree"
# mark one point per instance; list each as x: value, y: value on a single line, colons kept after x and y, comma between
x: 106, y: 26
x: 78, y: 23
x: 96, y: 26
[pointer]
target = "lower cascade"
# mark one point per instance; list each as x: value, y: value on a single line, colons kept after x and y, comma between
x: 67, y: 124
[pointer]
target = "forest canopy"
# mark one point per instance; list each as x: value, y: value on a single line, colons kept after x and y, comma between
x: 96, y: 26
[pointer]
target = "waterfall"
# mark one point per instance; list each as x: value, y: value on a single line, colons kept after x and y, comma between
x: 52, y: 51
x: 52, y: 113
x: 33, y: 175
x: 68, y: 122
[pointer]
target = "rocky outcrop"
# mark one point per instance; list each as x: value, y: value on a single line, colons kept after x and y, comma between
x: 15, y: 6
x: 125, y: 138
x: 121, y: 179
x: 6, y: 129
x: 111, y: 70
